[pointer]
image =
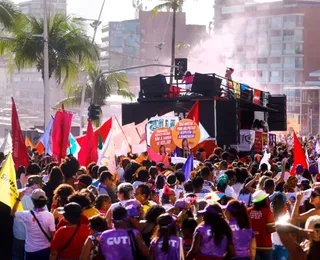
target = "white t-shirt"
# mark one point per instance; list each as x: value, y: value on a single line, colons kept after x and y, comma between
x: 230, y: 192
x: 35, y: 239
x: 237, y: 187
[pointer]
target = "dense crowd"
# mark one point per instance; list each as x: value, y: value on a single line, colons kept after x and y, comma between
x: 232, y: 207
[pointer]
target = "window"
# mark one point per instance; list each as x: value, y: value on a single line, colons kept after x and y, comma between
x: 288, y: 62
x: 299, y: 76
x: 289, y: 48
x: 299, y: 62
x: 275, y: 35
x: 289, y: 76
x: 298, y: 34
x: 275, y: 73
x: 288, y: 35
x: 276, y: 22
x: 299, y: 48
x: 276, y: 48
x: 290, y: 21
x: 300, y: 20
x: 232, y: 9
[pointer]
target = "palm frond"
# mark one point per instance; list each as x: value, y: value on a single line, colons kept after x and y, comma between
x: 158, y: 8
x: 8, y: 14
x: 73, y: 101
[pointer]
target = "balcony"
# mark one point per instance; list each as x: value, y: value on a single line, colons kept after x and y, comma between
x: 275, y: 79
x: 275, y: 38
x: 275, y: 65
x: 263, y: 66
x: 262, y: 80
x: 251, y: 66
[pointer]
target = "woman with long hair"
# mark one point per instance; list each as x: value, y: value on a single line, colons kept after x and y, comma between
x: 162, y: 150
x: 243, y: 235
x: 55, y: 179
x: 185, y: 148
x: 165, y: 244
x: 213, y: 238
x: 60, y: 198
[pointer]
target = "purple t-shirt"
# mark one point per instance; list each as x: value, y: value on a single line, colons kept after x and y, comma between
x: 174, y: 249
x: 208, y: 246
x: 241, y: 239
x: 115, y: 244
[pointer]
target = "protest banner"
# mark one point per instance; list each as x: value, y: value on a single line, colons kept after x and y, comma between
x: 246, y: 140
x: 161, y: 141
x: 157, y: 122
x: 186, y: 131
x: 258, y: 142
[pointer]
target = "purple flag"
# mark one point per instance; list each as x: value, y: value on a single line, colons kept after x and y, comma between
x: 188, y: 167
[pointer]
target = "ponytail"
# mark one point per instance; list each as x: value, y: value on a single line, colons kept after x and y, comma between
x: 165, y: 235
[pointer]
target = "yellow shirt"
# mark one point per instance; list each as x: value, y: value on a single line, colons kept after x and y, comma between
x: 91, y: 212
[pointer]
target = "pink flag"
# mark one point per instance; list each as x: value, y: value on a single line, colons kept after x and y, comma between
x: 60, y: 134
x: 141, y: 129
x: 131, y: 134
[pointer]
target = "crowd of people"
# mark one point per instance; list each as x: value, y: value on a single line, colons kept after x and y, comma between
x: 230, y: 208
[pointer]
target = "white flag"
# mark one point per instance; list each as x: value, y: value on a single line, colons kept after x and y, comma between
x: 265, y: 159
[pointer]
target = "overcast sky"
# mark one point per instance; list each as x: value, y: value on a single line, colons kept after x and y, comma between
x: 198, y: 11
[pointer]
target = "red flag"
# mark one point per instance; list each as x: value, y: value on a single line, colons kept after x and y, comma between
x: 299, y: 156
x: 194, y: 113
x: 104, y: 131
x: 89, y: 149
x: 19, y: 148
x: 60, y: 134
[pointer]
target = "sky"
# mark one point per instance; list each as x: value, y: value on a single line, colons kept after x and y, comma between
x: 198, y: 11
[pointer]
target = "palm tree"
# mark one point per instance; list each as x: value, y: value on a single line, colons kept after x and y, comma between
x: 8, y: 13
x: 174, y: 5
x: 104, y: 87
x: 69, y: 47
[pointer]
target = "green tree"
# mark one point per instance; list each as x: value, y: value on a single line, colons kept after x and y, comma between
x: 105, y: 86
x: 175, y: 6
x: 8, y: 14
x: 69, y: 47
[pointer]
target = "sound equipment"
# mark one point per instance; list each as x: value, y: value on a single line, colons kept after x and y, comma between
x: 277, y: 121
x: 181, y: 68
x: 207, y: 85
x: 227, y: 122
x: 155, y: 86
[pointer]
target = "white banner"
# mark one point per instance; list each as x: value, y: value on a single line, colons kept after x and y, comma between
x: 246, y: 140
x: 176, y: 160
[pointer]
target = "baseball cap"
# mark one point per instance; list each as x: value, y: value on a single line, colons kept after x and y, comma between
x: 209, y: 209
x: 38, y: 194
x: 259, y: 196
x: 180, y: 203
x: 70, y: 209
x: 34, y: 179
x: 133, y: 209
x: 223, y: 179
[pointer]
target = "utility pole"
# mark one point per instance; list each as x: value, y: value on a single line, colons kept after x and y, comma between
x: 96, y: 25
x: 46, y: 87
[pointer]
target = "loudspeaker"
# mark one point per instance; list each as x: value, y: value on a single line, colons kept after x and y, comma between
x: 155, y: 86
x: 277, y: 121
x: 206, y: 85
x: 227, y: 122
x: 181, y: 68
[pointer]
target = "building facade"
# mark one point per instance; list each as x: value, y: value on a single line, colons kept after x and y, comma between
x: 147, y: 40
x: 26, y: 85
x: 275, y: 50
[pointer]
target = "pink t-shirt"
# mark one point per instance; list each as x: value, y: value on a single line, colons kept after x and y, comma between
x: 188, y: 80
